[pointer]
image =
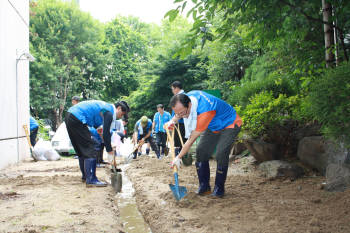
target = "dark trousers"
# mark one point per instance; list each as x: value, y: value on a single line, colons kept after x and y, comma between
x: 80, y: 137
x: 33, y: 134
x: 161, y: 139
x: 222, y: 141
x: 177, y: 140
x: 100, y: 154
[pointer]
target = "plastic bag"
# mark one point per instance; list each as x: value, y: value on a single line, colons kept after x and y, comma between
x: 40, y: 148
x: 52, y: 155
x: 116, y: 141
x: 43, y: 151
x: 126, y: 148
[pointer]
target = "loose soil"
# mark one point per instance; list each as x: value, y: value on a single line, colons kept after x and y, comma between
x: 50, y: 197
x: 251, y: 204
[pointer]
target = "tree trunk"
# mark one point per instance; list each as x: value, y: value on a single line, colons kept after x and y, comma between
x: 56, y: 117
x: 62, y: 103
x: 328, y: 34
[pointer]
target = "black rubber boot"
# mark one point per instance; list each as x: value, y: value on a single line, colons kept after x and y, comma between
x: 221, y: 174
x: 81, y: 166
x: 203, y: 172
x: 90, y: 172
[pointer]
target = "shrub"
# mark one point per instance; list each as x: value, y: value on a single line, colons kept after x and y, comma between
x: 329, y: 101
x: 265, y: 112
x: 263, y: 76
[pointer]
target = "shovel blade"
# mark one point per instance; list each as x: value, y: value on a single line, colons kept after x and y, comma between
x: 116, y: 180
x: 129, y: 158
x: 179, y: 192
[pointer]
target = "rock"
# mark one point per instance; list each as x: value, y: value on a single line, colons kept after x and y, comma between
x: 337, y: 177
x: 307, y: 131
x: 319, y: 153
x: 279, y: 168
x: 261, y: 150
x: 316, y: 201
x: 238, y: 148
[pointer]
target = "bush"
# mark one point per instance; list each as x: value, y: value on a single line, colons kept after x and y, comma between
x: 43, y: 131
x: 262, y: 76
x: 266, y: 113
x: 329, y: 101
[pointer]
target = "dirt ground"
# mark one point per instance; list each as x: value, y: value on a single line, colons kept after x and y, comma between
x: 50, y: 197
x: 251, y: 204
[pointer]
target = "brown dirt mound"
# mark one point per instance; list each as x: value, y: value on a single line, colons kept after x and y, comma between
x: 251, y: 203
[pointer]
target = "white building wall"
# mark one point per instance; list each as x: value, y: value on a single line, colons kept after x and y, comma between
x: 14, y: 80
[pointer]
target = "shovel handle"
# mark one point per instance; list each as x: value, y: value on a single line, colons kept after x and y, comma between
x: 114, y: 166
x: 25, y: 127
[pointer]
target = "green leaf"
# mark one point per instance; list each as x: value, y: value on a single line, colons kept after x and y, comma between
x: 183, y: 6
x: 172, y: 14
x: 194, y: 15
x: 189, y: 12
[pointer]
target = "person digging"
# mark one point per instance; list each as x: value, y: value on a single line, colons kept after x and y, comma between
x: 92, y: 113
x: 143, y: 134
x: 217, y: 123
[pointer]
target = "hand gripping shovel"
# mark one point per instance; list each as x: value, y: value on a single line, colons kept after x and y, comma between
x: 116, y: 177
x: 32, y: 153
x: 178, y: 191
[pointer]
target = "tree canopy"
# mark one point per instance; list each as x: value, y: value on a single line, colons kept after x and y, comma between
x: 269, y: 59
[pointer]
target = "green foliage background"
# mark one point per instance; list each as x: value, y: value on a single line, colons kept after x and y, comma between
x: 266, y: 58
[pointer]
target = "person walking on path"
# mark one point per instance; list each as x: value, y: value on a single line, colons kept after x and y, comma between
x: 160, y: 118
x: 142, y: 134
x: 93, y: 113
x: 218, y: 124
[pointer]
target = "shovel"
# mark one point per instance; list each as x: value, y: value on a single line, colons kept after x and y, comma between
x: 116, y: 177
x: 32, y: 153
x: 131, y: 155
x: 178, y: 191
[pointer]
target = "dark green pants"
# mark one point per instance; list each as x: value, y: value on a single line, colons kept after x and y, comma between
x: 222, y: 141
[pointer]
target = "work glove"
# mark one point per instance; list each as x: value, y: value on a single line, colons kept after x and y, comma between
x: 110, y: 158
x: 176, y: 162
x: 169, y: 125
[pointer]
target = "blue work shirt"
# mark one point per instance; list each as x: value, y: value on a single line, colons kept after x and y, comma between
x: 219, y: 113
x: 95, y: 113
x: 33, y: 123
x: 145, y: 129
x: 90, y: 112
x: 159, y: 121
